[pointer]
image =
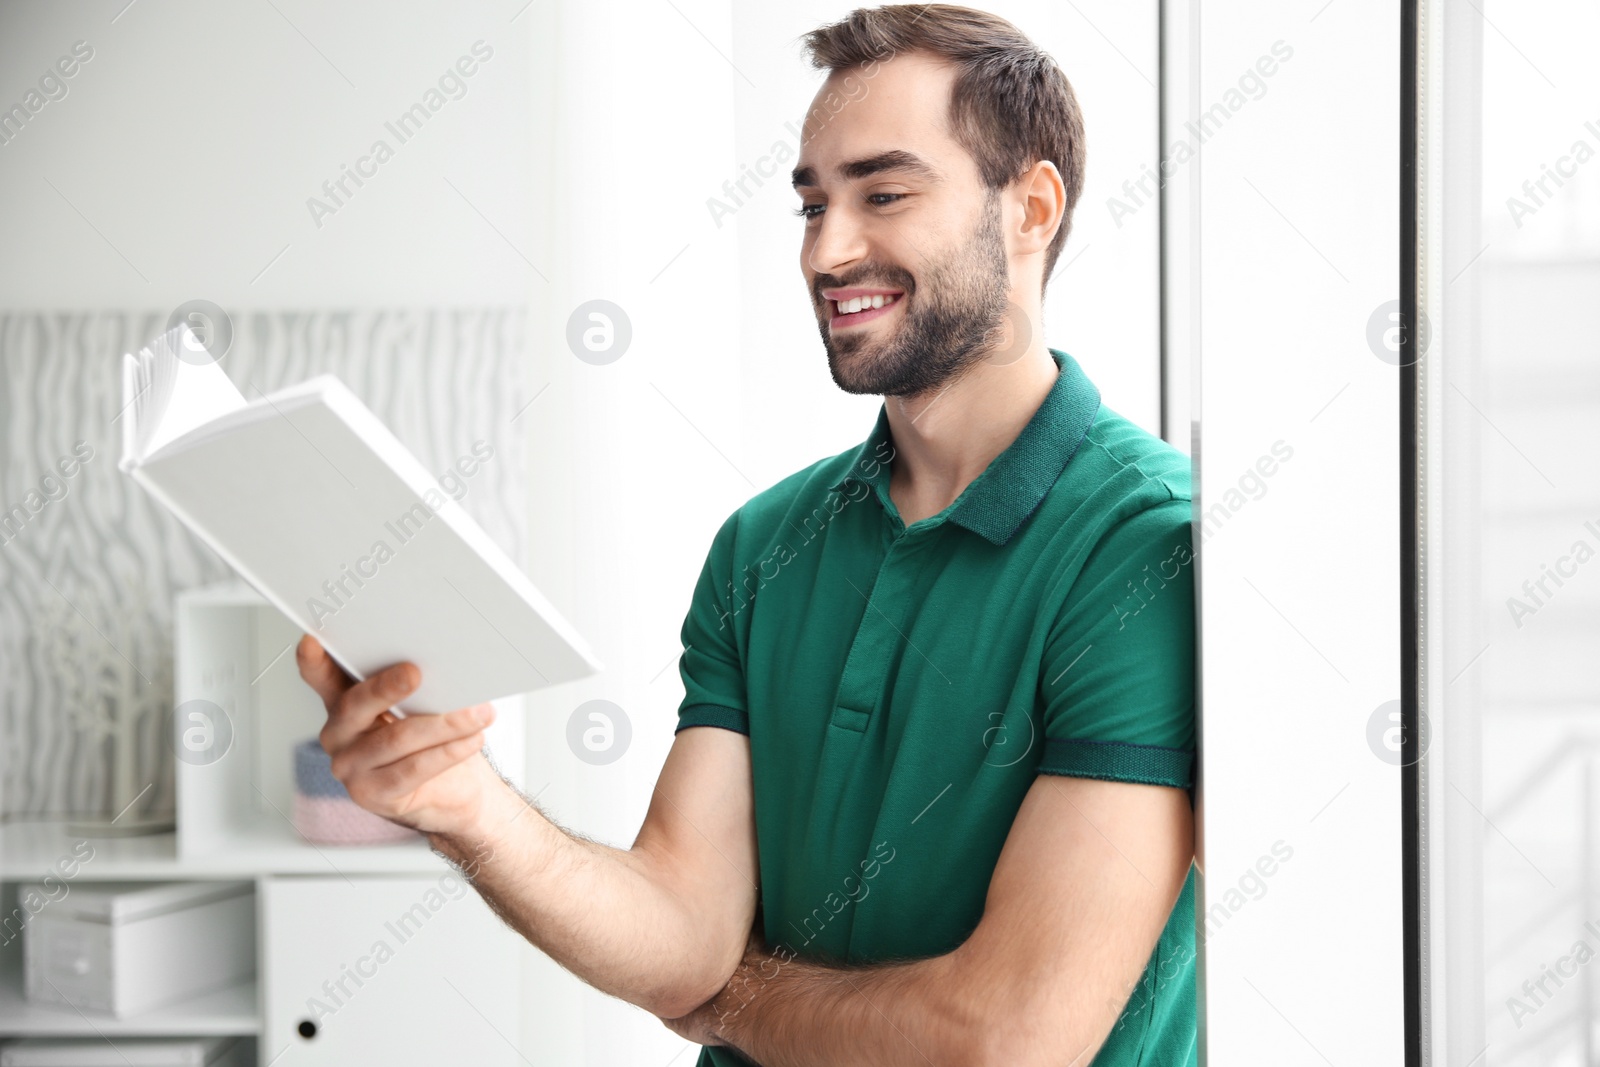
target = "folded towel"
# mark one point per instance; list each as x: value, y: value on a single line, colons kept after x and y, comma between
x: 323, y: 812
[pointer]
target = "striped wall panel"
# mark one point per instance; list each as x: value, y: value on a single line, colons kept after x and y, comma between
x: 89, y: 565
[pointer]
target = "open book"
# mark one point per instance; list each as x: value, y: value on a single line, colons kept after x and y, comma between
x: 314, y: 502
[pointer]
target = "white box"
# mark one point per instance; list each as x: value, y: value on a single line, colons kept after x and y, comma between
x: 127, y: 1052
x: 126, y: 947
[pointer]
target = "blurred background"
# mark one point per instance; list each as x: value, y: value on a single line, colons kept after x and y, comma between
x: 1517, y: 596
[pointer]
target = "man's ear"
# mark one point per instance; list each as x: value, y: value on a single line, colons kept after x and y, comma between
x: 1044, y: 205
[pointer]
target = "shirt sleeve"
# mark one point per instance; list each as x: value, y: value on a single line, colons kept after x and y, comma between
x: 711, y: 666
x: 1117, y: 683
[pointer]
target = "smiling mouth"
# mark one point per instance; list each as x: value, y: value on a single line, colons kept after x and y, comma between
x: 861, y: 310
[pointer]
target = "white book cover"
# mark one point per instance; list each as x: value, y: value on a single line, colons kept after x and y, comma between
x: 311, y: 499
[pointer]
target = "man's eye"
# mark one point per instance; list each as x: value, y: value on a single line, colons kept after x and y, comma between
x: 876, y: 199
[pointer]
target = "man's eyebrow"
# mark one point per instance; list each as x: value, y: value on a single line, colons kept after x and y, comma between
x: 855, y: 169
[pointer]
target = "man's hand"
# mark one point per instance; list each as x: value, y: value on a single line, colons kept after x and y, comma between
x: 657, y: 924
x: 423, y: 771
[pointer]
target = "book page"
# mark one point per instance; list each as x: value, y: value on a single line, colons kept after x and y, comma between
x: 178, y: 388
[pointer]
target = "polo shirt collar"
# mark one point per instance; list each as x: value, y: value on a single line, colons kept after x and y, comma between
x: 999, y: 501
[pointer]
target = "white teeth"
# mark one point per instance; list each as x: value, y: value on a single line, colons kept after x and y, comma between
x: 863, y: 303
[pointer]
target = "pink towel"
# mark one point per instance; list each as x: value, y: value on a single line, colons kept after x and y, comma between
x: 340, y: 821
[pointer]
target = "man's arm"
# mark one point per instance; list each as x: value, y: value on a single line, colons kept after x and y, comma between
x: 1083, y: 887
x: 662, y: 924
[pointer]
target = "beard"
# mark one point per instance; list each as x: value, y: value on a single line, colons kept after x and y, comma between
x: 959, y: 309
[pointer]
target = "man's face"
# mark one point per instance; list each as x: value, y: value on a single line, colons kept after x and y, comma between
x: 897, y: 212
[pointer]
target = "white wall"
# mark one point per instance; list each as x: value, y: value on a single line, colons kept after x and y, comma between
x: 1299, y: 580
x: 636, y: 462
x: 193, y: 138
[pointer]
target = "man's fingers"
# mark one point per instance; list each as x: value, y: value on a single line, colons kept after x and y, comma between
x: 403, y: 737
x: 361, y: 704
x: 406, y: 775
x: 319, y: 670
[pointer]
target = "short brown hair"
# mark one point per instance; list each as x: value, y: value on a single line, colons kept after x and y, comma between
x: 1010, y: 106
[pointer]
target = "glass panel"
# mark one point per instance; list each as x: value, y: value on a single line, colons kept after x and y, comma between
x: 1512, y: 521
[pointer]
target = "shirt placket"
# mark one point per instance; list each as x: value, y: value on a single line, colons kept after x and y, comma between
x: 878, y: 637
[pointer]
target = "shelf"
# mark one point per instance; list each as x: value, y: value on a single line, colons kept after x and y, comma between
x: 232, y: 1010
x: 30, y: 850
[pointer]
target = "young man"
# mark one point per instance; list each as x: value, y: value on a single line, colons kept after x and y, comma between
x: 928, y: 800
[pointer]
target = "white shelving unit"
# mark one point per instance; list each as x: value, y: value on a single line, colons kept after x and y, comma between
x: 443, y: 989
x: 28, y: 851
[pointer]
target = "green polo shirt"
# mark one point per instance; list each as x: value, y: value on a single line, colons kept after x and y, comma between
x: 903, y: 686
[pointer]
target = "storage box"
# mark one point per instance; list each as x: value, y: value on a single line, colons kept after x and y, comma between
x: 126, y: 947
x: 127, y: 1052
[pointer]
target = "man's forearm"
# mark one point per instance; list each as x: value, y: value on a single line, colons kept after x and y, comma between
x: 781, y: 1011
x: 603, y: 913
